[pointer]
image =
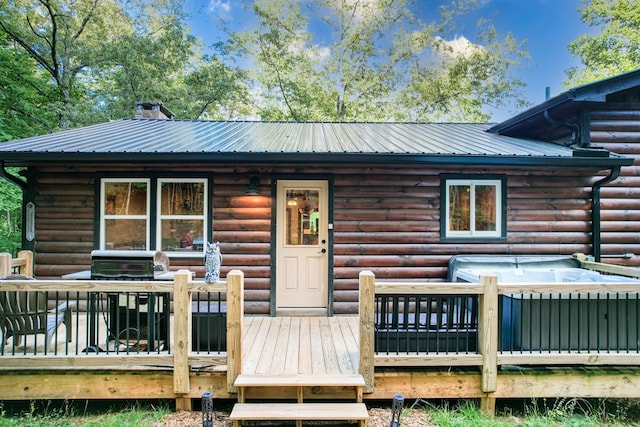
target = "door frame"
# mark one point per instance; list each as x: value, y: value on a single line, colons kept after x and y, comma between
x: 273, y: 245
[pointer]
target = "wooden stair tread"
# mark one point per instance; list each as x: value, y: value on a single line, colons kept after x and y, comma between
x: 299, y: 411
x: 299, y: 380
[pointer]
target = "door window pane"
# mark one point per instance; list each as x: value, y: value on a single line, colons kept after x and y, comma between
x: 302, y: 217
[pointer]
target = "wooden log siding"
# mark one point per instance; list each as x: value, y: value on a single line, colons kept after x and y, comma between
x: 386, y: 219
x: 618, y: 130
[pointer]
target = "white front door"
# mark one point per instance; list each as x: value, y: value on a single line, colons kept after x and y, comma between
x: 301, y: 245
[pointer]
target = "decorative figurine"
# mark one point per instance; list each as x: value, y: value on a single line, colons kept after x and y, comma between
x: 212, y: 262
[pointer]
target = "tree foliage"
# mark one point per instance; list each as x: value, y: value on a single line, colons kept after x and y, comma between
x: 101, y: 56
x: 375, y: 60
x: 10, y: 216
x: 615, y: 49
x: 24, y: 108
x: 61, y: 37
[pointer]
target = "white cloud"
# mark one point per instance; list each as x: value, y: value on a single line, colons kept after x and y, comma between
x: 459, y: 46
x: 316, y: 52
x: 319, y: 53
x: 215, y: 5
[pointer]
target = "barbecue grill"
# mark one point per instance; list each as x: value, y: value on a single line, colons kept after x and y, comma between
x: 137, y: 320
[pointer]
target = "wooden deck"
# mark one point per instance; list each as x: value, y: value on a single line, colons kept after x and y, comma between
x: 300, y: 345
x: 307, y: 359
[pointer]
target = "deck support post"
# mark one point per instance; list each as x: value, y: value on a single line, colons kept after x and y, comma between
x: 367, y: 336
x: 5, y: 264
x: 488, y: 339
x: 181, y: 336
x: 488, y: 404
x: 235, y: 313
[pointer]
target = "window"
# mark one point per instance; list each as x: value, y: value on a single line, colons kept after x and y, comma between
x: 473, y: 208
x: 125, y: 214
x: 181, y: 225
x: 173, y: 221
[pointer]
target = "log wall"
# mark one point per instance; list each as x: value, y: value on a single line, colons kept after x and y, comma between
x: 617, y: 128
x: 386, y: 219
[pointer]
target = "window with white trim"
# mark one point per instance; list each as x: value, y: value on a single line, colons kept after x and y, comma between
x: 182, y: 214
x: 124, y: 211
x: 473, y: 208
x: 174, y: 221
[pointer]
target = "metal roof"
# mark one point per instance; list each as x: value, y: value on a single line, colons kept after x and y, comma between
x: 151, y: 140
x: 572, y: 99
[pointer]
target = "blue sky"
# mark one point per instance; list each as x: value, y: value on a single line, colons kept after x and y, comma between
x: 548, y: 26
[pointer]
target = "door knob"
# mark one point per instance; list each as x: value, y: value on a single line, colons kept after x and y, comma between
x: 323, y: 251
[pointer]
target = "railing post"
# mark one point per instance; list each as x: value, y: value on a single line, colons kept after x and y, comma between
x: 181, y: 336
x: 5, y: 264
x: 235, y: 313
x: 26, y: 269
x: 488, y: 336
x: 367, y: 319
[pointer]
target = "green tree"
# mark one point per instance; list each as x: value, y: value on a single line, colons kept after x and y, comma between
x: 61, y: 38
x: 101, y: 55
x: 10, y: 216
x: 23, y: 105
x: 145, y: 62
x: 213, y: 90
x: 615, y: 49
x: 374, y: 60
x: 462, y: 80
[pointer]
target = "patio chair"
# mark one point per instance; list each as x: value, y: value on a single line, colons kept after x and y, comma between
x: 24, y: 313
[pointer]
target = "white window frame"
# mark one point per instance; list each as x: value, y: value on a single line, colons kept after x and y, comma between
x: 155, y: 205
x: 161, y: 217
x: 104, y: 216
x: 472, y: 232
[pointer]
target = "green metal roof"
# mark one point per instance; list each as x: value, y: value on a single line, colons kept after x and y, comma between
x: 154, y: 140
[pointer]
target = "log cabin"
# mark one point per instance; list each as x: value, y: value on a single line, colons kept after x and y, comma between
x: 302, y: 208
x: 322, y: 218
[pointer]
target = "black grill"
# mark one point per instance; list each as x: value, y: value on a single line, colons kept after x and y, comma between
x: 122, y: 265
x: 137, y: 320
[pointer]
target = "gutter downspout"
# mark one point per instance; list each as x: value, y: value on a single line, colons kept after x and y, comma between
x: 595, y: 211
x: 12, y: 178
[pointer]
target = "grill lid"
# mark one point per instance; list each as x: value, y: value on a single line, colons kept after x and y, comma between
x: 122, y: 265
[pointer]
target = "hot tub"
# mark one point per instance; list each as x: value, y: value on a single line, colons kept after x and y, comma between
x: 555, y: 322
x: 537, y: 275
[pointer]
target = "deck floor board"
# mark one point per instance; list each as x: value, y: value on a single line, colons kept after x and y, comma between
x: 300, y: 345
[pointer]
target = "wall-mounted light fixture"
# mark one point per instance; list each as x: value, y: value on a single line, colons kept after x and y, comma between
x: 254, y: 182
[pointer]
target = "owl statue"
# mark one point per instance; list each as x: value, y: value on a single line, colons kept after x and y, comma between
x: 212, y: 261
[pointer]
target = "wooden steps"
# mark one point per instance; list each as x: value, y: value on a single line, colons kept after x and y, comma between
x: 300, y: 411
x: 299, y: 381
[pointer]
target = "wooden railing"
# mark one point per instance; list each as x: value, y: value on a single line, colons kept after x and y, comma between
x: 490, y: 293
x: 605, y: 268
x: 179, y: 359
x: 22, y: 264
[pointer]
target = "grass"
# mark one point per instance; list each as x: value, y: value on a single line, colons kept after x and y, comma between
x: 539, y: 413
x: 66, y: 413
x: 532, y: 413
